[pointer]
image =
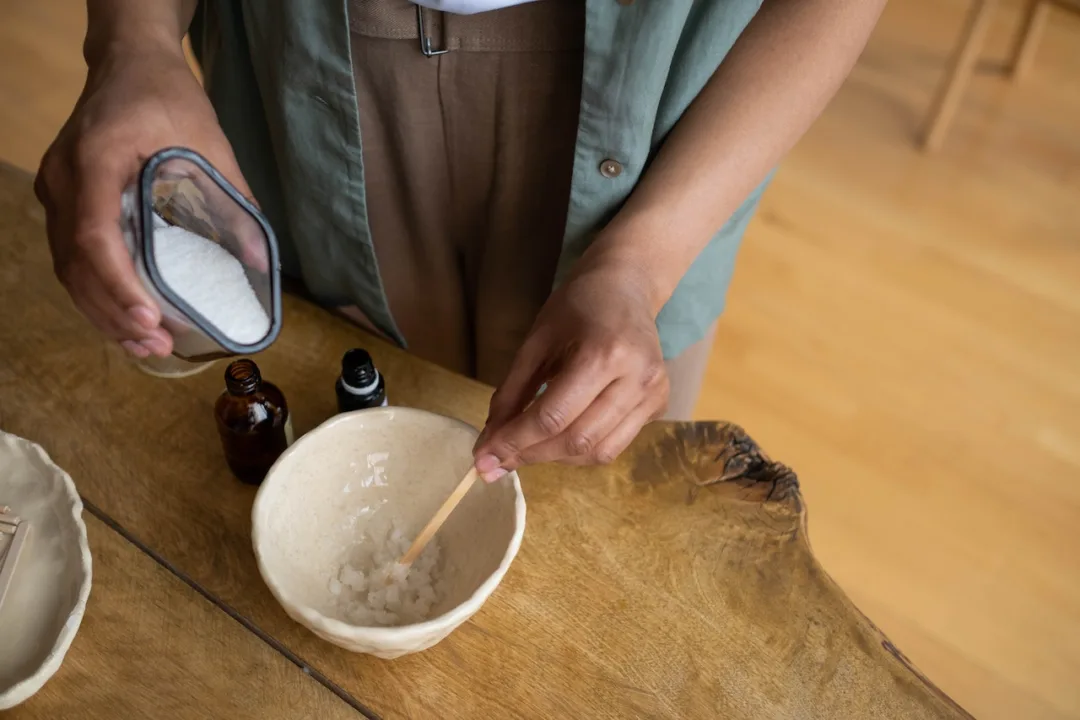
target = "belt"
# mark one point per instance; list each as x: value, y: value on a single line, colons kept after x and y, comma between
x: 542, y: 26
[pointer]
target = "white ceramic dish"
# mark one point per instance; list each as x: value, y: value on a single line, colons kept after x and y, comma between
x: 319, y: 496
x: 47, y: 598
x: 171, y: 367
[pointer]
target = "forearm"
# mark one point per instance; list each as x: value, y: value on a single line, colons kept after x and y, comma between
x: 776, y: 80
x: 132, y: 26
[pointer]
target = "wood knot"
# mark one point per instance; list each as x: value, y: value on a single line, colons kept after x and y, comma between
x: 718, y: 454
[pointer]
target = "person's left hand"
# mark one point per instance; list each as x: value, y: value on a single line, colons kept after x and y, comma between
x: 595, y: 346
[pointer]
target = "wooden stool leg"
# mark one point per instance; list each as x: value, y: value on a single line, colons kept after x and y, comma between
x: 958, y: 74
x: 1028, y: 42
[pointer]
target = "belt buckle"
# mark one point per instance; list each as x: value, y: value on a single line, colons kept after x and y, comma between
x: 421, y: 31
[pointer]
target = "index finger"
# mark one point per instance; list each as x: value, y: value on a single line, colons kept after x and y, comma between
x: 567, y: 396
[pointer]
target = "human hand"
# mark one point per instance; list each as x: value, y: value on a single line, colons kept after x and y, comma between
x: 595, y: 346
x: 136, y: 101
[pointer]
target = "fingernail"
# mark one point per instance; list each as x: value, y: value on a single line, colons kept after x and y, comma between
x: 494, y: 475
x: 487, y: 463
x: 135, y: 349
x: 144, y: 316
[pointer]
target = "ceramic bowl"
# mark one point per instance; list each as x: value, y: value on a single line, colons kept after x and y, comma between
x: 365, y: 469
x: 171, y: 367
x: 51, y: 583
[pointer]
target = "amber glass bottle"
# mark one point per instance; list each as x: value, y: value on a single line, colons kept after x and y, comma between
x: 253, y: 421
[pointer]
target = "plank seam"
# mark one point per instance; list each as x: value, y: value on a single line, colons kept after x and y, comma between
x: 251, y: 627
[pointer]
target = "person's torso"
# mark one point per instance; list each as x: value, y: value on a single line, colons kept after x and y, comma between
x: 280, y: 77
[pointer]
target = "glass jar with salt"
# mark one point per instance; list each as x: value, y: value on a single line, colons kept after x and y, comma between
x: 207, y: 256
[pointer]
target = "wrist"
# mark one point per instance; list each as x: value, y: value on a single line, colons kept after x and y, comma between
x: 607, y: 258
x: 642, y: 252
x: 109, y: 44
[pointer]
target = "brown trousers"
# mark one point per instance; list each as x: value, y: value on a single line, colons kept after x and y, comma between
x: 468, y: 157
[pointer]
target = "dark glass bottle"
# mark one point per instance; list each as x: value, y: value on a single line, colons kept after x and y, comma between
x: 253, y: 421
x: 360, y: 385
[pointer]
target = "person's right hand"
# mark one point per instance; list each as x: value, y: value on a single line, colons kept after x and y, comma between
x: 133, y: 104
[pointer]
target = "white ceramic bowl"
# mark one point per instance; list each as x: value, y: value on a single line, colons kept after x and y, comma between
x: 386, y: 463
x: 47, y: 597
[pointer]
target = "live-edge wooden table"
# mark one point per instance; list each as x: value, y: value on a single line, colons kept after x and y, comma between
x: 676, y: 583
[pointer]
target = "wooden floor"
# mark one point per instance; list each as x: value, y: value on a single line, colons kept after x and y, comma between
x: 903, y: 329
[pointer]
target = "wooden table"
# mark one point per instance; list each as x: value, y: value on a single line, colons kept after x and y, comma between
x: 151, y: 647
x: 676, y: 583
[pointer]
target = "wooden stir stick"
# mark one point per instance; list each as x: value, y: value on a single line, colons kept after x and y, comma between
x: 438, y: 519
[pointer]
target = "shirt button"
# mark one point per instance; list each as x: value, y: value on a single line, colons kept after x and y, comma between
x: 611, y: 168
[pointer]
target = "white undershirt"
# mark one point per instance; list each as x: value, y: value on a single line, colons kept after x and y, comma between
x: 469, y: 7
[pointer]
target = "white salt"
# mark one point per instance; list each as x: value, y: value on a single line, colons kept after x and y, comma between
x: 212, y: 281
x: 374, y: 589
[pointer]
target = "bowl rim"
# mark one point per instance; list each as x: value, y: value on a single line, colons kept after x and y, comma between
x: 399, y: 634
x: 24, y: 689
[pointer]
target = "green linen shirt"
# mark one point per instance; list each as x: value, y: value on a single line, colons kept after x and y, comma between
x: 280, y: 77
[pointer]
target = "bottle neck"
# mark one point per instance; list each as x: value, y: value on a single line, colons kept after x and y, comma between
x: 242, y: 377
x: 363, y: 389
x: 358, y: 373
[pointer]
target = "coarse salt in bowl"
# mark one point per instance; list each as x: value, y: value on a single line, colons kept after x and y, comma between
x: 343, y: 503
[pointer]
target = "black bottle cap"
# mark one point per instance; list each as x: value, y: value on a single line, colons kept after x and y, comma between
x: 358, y: 371
x: 242, y: 377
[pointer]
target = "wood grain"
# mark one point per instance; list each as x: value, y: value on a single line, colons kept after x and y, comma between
x: 151, y: 647
x: 904, y: 330
x: 677, y: 583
